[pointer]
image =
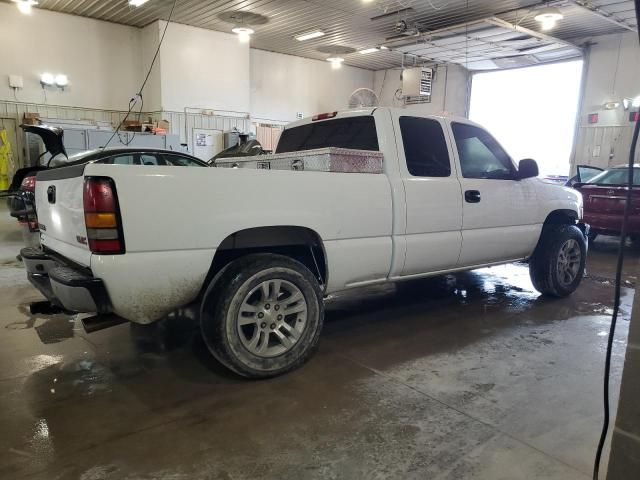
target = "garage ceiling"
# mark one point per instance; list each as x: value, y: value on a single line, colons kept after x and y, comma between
x: 353, y: 23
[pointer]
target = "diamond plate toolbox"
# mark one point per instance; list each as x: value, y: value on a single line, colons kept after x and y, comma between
x: 331, y: 159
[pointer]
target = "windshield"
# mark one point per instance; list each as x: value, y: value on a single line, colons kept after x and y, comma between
x: 617, y: 176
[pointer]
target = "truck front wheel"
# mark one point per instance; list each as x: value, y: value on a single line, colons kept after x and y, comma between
x: 557, y: 265
x: 263, y: 316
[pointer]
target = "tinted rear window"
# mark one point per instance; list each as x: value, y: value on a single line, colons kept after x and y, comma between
x: 354, y: 132
x: 425, y: 147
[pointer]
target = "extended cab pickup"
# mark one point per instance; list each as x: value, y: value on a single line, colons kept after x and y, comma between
x: 260, y: 249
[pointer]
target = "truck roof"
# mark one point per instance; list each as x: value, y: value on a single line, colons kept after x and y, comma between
x: 358, y: 112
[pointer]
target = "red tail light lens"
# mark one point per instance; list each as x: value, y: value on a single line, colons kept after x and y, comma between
x: 102, y: 216
x: 323, y: 116
x: 28, y: 183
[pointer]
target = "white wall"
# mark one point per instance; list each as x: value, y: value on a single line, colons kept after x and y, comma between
x: 282, y: 85
x: 450, y: 90
x: 102, y: 60
x: 613, y: 69
x: 612, y: 73
x: 152, y: 93
x: 203, y: 68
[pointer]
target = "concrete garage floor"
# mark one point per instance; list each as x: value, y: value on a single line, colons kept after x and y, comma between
x: 452, y: 378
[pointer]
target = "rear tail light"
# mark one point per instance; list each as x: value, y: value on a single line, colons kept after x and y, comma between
x: 28, y: 183
x: 102, y: 216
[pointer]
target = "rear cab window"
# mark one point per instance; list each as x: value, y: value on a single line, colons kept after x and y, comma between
x: 357, y: 133
x: 425, y: 147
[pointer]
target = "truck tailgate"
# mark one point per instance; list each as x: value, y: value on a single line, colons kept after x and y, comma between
x: 59, y: 206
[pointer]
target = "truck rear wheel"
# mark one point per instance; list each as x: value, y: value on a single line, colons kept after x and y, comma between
x: 263, y: 316
x: 557, y: 265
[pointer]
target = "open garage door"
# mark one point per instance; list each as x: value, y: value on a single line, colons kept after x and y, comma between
x: 531, y: 111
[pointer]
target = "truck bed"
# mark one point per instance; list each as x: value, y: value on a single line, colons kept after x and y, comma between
x: 174, y: 219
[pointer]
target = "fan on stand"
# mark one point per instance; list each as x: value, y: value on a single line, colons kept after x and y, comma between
x: 363, y: 97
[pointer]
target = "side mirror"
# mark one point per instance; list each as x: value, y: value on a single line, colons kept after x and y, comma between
x: 527, y: 168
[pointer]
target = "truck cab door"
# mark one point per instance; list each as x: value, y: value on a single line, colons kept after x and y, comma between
x: 433, y: 196
x: 500, y: 211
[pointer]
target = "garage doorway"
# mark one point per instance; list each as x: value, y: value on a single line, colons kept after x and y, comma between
x: 531, y: 111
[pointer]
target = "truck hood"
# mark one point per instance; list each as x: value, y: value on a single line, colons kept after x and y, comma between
x: 51, y: 136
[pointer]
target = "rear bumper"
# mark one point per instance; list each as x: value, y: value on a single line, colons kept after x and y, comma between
x: 65, y: 284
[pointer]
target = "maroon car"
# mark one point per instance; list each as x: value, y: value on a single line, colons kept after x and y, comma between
x: 604, y: 197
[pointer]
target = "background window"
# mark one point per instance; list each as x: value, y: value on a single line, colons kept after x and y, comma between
x: 425, y: 147
x: 480, y: 155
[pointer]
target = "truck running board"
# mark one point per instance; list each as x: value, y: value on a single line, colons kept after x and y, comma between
x: 100, y: 322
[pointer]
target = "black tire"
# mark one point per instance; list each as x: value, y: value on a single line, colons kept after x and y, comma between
x: 220, y: 315
x: 544, y: 265
x: 592, y: 236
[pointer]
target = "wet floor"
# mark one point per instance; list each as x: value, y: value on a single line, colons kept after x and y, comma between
x: 473, y: 376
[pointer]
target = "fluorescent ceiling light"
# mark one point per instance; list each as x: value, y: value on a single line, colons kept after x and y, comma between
x: 336, y: 62
x: 25, y: 5
x: 47, y: 79
x: 244, y: 33
x: 369, y: 50
x: 548, y: 17
x: 137, y: 3
x: 309, y: 35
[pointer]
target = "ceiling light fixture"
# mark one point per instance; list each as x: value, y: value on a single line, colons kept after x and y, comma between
x: 25, y: 5
x: 369, y: 50
x: 137, y: 3
x: 548, y: 17
x: 309, y: 35
x: 336, y: 62
x: 244, y: 33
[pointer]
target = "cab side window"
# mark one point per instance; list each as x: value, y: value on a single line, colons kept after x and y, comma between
x: 425, y: 147
x: 481, y: 156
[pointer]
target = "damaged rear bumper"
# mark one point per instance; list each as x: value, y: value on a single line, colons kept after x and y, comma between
x: 64, y: 284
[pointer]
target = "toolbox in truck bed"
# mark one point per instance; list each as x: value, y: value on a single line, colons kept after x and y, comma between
x: 331, y: 159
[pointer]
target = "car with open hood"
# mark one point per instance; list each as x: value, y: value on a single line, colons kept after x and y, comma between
x: 21, y: 200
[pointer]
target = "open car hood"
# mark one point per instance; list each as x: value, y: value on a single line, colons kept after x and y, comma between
x: 51, y: 136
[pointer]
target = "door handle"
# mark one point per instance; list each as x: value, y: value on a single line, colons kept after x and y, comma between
x: 51, y: 194
x: 472, y: 196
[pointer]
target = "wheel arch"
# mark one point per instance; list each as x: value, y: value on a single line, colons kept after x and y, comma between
x: 562, y: 216
x: 300, y: 243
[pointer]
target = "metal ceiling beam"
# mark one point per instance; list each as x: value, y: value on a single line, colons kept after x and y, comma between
x: 610, y: 17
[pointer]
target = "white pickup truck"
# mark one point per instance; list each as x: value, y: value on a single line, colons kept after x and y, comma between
x: 260, y: 249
